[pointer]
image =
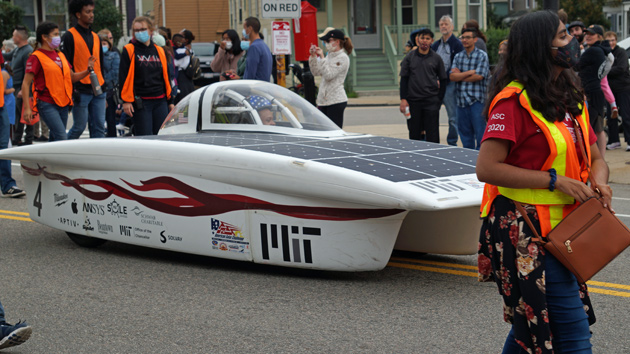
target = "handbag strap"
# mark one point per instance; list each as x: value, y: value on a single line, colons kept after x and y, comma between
x: 579, y: 134
x: 521, y: 210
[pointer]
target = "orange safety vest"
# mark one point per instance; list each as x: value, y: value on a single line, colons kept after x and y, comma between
x: 82, y: 55
x: 127, y: 93
x: 552, y: 207
x: 58, y: 80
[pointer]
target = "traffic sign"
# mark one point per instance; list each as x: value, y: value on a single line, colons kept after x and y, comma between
x: 281, y: 8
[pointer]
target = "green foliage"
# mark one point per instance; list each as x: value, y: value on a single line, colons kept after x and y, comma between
x: 10, y: 16
x: 588, y: 11
x: 494, y: 20
x: 495, y: 36
x: 106, y: 15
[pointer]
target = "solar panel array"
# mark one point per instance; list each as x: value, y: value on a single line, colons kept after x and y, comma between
x: 393, y: 159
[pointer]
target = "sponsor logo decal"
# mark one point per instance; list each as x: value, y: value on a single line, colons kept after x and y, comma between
x: 125, y: 230
x: 94, y: 208
x: 150, y: 220
x: 137, y: 211
x: 87, y: 226
x: 294, y: 245
x: 69, y: 222
x: 60, y: 199
x: 104, y: 228
x: 74, y: 206
x: 165, y: 237
x: 227, y: 237
x: 116, y: 209
x: 141, y: 233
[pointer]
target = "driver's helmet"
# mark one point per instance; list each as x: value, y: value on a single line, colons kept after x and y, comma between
x: 259, y: 102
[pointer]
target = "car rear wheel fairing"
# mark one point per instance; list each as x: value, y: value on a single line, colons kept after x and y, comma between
x: 85, y: 241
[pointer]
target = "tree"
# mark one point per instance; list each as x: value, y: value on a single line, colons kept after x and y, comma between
x: 10, y: 16
x: 106, y: 15
x: 588, y: 11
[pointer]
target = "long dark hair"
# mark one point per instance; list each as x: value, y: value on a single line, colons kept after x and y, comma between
x: 529, y: 60
x: 236, y: 41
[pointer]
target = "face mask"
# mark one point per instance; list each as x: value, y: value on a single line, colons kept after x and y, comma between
x: 331, y: 47
x: 55, y: 42
x: 245, y: 36
x: 228, y: 45
x: 142, y: 37
x: 424, y: 47
x: 105, y: 49
x: 569, y: 55
x: 244, y: 45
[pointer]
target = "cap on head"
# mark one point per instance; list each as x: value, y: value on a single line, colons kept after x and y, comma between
x: 576, y: 24
x: 334, y: 33
x: 595, y: 29
x: 259, y: 102
x: 328, y: 29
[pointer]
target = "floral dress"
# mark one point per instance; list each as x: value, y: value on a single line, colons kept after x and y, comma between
x: 508, y: 256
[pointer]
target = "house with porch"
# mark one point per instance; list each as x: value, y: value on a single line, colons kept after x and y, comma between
x: 379, y: 30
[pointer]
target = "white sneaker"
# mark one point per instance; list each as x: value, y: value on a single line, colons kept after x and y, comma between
x: 628, y: 148
x: 121, y: 127
x: 613, y: 146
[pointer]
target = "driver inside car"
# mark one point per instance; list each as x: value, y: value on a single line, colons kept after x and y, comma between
x: 263, y: 106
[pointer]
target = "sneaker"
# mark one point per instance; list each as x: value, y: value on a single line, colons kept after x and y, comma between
x: 12, y: 335
x: 13, y: 192
x: 628, y: 148
x: 613, y: 146
x: 121, y: 127
x: 41, y: 139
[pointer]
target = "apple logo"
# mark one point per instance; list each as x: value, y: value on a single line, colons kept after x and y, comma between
x: 74, y: 206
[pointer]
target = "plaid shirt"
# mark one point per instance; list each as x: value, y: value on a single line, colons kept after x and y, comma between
x: 469, y: 92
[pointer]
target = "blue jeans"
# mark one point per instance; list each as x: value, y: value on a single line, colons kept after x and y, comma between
x: 450, y: 103
x: 56, y: 118
x: 2, y: 319
x: 471, y: 125
x: 149, y: 119
x: 89, y: 110
x: 6, y: 181
x: 567, y: 319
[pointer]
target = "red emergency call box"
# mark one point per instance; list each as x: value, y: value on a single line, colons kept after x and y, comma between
x: 305, y: 32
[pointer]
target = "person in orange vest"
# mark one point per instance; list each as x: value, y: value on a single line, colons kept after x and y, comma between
x: 79, y: 44
x: 52, y: 77
x: 146, y: 88
x: 531, y: 153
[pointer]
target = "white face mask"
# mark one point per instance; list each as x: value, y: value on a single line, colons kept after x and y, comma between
x: 331, y: 47
x: 228, y: 45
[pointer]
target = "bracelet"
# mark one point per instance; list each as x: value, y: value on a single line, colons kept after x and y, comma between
x: 554, y: 178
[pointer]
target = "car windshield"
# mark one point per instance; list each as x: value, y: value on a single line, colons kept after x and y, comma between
x: 265, y: 104
x: 203, y: 49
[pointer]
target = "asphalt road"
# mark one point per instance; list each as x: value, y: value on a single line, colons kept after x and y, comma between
x: 126, y: 299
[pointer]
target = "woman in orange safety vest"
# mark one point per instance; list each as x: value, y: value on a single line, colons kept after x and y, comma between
x: 52, y: 78
x: 530, y: 154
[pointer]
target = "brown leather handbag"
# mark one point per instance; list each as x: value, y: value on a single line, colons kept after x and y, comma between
x: 587, y: 239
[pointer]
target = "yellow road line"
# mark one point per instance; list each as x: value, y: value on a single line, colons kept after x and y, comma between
x: 431, y: 269
x: 607, y: 285
x: 13, y: 212
x: 608, y: 292
x: 14, y: 218
x: 442, y: 264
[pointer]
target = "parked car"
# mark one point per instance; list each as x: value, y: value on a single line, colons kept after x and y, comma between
x: 205, y: 51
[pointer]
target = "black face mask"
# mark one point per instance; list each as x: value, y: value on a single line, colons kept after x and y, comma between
x: 569, y: 55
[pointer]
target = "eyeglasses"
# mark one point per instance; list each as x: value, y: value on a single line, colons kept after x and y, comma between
x: 136, y: 30
x: 466, y: 37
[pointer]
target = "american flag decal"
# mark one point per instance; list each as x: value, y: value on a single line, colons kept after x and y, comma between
x: 289, y: 241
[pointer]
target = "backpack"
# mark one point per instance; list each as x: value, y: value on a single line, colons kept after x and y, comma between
x: 193, y: 70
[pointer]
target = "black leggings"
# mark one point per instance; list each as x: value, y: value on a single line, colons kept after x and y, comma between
x: 334, y: 112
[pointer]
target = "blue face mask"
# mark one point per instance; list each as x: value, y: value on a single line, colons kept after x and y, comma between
x: 142, y: 37
x: 105, y: 49
x: 245, y: 36
x: 244, y: 45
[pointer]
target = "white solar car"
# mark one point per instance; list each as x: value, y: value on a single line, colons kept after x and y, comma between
x: 296, y: 191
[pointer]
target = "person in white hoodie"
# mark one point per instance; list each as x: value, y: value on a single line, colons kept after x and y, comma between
x: 332, y: 99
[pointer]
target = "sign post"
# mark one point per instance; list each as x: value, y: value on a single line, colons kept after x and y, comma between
x: 281, y: 35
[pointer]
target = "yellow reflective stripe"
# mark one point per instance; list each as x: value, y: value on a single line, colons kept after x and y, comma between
x: 536, y: 196
x: 555, y: 215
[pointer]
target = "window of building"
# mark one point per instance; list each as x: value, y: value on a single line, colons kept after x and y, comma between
x: 30, y: 18
x: 320, y: 5
x: 56, y: 11
x: 474, y: 10
x: 511, y: 5
x: 443, y: 7
x: 407, y: 12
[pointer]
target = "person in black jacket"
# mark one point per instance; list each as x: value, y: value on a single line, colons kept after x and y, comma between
x: 619, y: 81
x: 422, y: 86
x: 591, y: 69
